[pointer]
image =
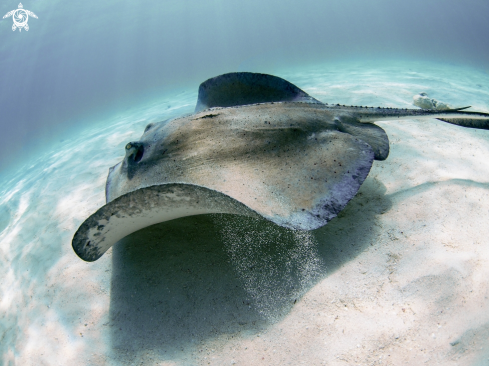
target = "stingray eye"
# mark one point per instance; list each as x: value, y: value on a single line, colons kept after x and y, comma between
x: 134, y: 152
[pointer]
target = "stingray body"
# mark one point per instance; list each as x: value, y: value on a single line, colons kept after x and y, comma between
x: 256, y: 145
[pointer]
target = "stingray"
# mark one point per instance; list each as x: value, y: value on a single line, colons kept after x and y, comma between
x: 257, y: 146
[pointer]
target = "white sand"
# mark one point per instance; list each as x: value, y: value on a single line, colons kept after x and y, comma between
x: 400, y: 277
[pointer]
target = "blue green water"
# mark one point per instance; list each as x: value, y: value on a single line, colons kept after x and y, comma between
x: 99, y: 58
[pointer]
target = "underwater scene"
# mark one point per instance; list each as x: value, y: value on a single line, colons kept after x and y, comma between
x: 231, y: 183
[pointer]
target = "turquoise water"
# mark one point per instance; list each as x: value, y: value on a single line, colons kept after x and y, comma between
x: 98, y: 58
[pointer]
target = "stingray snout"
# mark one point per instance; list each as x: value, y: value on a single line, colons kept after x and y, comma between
x: 134, y: 152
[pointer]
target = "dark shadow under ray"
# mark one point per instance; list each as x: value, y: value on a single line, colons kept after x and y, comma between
x: 173, y: 286
x: 182, y: 282
x: 355, y: 229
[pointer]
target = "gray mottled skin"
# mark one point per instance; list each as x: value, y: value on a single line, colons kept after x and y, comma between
x: 150, y: 205
x: 278, y: 159
x: 255, y: 140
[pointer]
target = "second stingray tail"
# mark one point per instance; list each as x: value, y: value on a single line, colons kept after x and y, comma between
x: 482, y: 124
x: 457, y: 116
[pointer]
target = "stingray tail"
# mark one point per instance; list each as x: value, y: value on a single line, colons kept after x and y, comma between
x: 457, y: 116
x: 482, y: 124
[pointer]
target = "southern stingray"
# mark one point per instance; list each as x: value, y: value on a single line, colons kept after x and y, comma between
x: 256, y: 145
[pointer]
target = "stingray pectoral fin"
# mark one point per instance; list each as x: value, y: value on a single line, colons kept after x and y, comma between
x: 482, y: 124
x: 372, y: 134
x: 301, y: 185
x: 243, y: 88
x: 145, y: 207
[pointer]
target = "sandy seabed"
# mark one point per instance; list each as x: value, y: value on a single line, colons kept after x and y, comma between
x: 400, y: 277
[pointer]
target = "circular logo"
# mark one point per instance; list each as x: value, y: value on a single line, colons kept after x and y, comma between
x: 20, y: 18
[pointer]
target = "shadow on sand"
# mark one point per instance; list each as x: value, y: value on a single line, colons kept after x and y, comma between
x: 179, y: 283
